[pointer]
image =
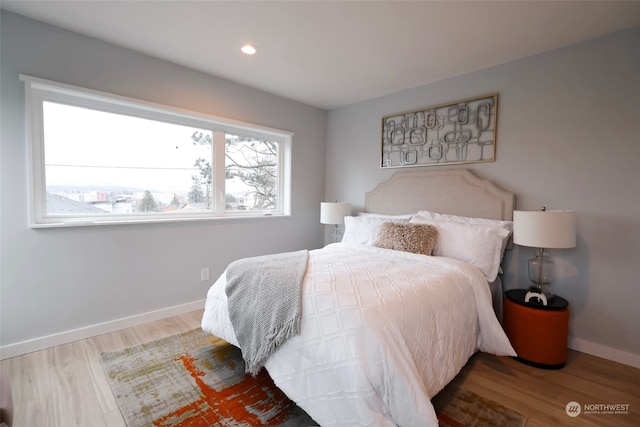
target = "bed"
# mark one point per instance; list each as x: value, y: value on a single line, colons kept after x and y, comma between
x: 382, y: 330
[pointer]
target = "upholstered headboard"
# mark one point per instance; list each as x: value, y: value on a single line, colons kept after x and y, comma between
x: 450, y: 191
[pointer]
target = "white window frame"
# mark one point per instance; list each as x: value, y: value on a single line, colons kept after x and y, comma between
x: 38, y: 91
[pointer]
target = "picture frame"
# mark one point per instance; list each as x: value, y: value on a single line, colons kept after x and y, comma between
x: 446, y: 134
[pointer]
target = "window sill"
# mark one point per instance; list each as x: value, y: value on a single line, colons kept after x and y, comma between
x: 85, y: 222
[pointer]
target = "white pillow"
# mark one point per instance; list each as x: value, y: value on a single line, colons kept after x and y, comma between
x: 363, y: 229
x: 395, y: 218
x: 477, y: 244
x: 508, y: 225
x: 466, y: 219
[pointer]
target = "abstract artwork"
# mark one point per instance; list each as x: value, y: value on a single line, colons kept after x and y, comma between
x: 458, y: 132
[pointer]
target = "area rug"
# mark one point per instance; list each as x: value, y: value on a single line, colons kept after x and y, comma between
x: 458, y: 407
x: 197, y: 380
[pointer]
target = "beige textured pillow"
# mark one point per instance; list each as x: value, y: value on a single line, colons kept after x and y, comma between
x: 407, y: 237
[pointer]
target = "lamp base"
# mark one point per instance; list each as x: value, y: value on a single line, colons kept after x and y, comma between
x: 540, y: 271
x: 336, y: 233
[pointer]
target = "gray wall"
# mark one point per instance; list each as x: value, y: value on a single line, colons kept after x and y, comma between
x: 56, y: 280
x: 568, y: 138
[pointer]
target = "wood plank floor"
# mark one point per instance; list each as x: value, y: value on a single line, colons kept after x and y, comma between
x: 65, y: 386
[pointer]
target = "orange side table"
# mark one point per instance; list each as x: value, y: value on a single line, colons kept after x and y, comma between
x: 538, y: 333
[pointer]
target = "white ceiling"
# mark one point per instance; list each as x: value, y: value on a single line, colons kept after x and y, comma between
x: 334, y: 53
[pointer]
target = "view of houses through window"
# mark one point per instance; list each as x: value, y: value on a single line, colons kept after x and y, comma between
x: 100, y: 163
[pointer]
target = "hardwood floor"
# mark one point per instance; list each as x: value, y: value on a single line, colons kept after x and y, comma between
x: 65, y: 386
x: 543, y: 394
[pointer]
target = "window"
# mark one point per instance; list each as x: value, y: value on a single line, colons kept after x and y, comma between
x: 98, y: 158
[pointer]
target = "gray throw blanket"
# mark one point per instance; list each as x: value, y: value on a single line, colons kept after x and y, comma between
x: 264, y: 299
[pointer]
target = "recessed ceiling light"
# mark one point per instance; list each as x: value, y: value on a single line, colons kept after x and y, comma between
x: 248, y: 49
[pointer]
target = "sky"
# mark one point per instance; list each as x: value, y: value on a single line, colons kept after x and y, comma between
x: 92, y: 148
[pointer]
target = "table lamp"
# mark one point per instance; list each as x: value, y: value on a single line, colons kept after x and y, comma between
x: 543, y: 229
x: 334, y: 213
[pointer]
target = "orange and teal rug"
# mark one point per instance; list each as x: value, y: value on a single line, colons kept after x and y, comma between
x: 197, y: 380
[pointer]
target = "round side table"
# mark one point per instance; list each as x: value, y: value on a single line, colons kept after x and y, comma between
x: 538, y: 333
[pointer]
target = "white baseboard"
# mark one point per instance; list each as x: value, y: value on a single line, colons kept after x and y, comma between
x: 36, y: 344
x: 605, y: 352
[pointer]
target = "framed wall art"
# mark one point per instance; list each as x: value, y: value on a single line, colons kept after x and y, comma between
x: 459, y: 132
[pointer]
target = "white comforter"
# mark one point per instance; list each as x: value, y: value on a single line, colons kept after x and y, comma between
x: 381, y: 333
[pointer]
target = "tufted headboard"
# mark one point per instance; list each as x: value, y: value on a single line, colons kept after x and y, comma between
x: 450, y: 191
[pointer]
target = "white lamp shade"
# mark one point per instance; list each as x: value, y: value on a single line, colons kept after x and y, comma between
x: 544, y: 229
x: 334, y: 213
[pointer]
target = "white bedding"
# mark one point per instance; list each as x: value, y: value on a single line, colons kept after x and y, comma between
x: 381, y: 332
